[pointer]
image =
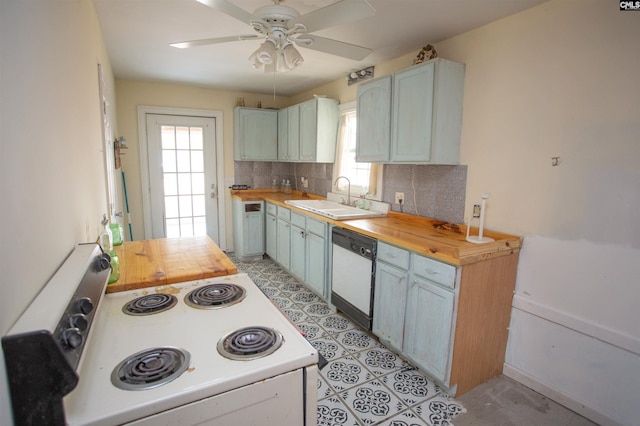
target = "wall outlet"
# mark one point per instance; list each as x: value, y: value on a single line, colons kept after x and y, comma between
x: 305, y: 182
x: 399, y: 197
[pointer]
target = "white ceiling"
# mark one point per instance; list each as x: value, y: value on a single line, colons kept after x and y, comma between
x: 138, y: 33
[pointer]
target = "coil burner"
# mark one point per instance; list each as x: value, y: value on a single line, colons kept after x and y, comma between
x: 250, y: 343
x: 150, y: 304
x: 150, y: 368
x: 215, y: 296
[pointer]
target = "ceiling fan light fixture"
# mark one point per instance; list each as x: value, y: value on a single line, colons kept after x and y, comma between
x: 266, y: 53
x: 292, y: 58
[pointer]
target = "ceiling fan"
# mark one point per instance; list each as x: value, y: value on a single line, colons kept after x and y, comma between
x: 282, y: 26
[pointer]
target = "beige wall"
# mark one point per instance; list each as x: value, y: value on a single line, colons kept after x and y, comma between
x: 131, y: 94
x: 52, y: 186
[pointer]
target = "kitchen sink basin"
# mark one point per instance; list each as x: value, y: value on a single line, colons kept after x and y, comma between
x: 334, y: 210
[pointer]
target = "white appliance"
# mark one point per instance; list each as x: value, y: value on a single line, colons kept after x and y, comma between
x: 353, y: 275
x: 167, y: 367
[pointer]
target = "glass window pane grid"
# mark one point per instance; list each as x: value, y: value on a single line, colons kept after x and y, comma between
x: 358, y: 173
x: 183, y: 152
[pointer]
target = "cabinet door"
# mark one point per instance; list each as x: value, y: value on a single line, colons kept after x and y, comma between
x: 308, y: 130
x: 293, y: 133
x: 298, y: 250
x: 389, y: 304
x: 283, y: 244
x: 255, y: 134
x: 427, y: 339
x: 283, y: 134
x: 271, y: 235
x: 316, y: 263
x: 413, y: 92
x: 373, y: 135
x: 254, y: 233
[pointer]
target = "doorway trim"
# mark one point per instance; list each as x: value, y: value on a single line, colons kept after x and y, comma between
x: 143, y: 110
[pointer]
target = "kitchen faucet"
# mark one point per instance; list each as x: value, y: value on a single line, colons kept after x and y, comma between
x: 348, y: 188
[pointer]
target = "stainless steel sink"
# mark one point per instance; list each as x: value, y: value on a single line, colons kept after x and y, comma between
x: 334, y: 210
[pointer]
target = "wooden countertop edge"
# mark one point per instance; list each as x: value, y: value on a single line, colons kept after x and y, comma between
x: 163, y: 275
x: 430, y: 237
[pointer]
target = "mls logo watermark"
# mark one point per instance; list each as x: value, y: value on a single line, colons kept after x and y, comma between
x: 630, y: 5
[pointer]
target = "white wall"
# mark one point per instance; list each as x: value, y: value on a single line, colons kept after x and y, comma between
x: 561, y: 80
x: 52, y: 182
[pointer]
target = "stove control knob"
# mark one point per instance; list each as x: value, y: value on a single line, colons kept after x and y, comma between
x: 84, y: 305
x: 103, y: 262
x: 72, y: 337
x: 78, y: 321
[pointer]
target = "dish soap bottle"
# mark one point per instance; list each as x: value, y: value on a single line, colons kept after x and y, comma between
x: 363, y: 204
x: 106, y: 242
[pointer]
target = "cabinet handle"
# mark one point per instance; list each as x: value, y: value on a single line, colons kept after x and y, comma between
x: 302, y: 234
x: 431, y: 271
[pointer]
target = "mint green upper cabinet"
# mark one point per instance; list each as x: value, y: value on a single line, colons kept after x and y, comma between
x: 425, y: 115
x: 255, y: 134
x: 318, y: 130
x: 373, y: 135
x: 289, y: 133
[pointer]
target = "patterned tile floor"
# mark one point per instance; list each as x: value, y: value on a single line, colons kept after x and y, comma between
x: 363, y: 383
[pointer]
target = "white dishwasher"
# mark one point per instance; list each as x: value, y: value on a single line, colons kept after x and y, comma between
x: 353, y: 275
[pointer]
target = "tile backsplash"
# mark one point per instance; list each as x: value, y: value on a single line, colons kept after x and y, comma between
x: 430, y: 191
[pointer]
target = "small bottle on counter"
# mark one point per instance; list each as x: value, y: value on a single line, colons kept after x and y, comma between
x: 106, y: 242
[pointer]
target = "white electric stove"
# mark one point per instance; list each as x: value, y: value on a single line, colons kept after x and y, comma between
x: 213, y: 351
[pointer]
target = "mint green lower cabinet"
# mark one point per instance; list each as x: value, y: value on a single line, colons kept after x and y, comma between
x: 428, y: 327
x: 283, y: 244
x: 389, y: 304
x: 298, y: 250
x: 248, y: 229
x: 271, y: 230
x: 316, y: 263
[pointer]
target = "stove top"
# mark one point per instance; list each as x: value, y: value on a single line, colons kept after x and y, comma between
x: 124, y: 345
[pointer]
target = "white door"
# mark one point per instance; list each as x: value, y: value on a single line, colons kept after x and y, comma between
x: 182, y: 176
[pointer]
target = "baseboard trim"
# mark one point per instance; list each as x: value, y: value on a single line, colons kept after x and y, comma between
x: 559, y: 397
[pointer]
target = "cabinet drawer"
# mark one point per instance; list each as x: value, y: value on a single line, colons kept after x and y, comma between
x: 298, y: 219
x: 316, y: 227
x: 393, y: 255
x: 284, y: 213
x: 435, y: 271
x: 272, y: 209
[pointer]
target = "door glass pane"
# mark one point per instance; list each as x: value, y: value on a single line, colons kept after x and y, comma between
x: 196, y: 138
x: 198, y: 205
x: 171, y: 209
x: 197, y: 161
x: 184, y: 160
x: 168, y: 134
x: 184, y: 191
x: 197, y: 183
x: 182, y: 137
x: 170, y: 184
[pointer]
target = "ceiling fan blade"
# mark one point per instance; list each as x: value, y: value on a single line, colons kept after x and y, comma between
x: 205, y: 41
x: 333, y: 47
x: 339, y: 13
x: 230, y: 9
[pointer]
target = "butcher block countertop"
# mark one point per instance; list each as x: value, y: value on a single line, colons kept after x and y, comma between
x: 163, y: 261
x: 431, y: 237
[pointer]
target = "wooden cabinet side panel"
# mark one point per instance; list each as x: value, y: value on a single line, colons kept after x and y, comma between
x: 484, y: 312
